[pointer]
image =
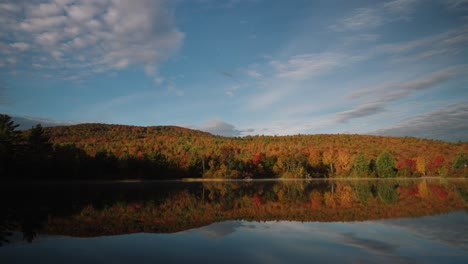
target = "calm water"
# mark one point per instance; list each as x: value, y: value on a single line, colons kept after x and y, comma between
x: 380, y: 221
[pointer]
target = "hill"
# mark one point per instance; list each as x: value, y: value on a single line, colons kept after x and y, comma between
x: 192, y: 153
x: 102, y: 151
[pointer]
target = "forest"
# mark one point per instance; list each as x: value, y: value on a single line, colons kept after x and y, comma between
x: 107, y: 152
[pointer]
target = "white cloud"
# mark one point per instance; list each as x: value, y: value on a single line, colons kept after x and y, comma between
x: 401, y: 7
x: 27, y: 122
x: 375, y: 16
x: 81, y: 13
x: 20, y: 46
x: 231, y: 90
x: 361, y: 18
x: 44, y: 10
x: 305, y: 66
x: 93, y: 36
x: 253, y: 73
x: 174, y: 90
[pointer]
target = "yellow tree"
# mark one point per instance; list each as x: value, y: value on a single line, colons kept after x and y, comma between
x: 329, y: 158
x: 343, y: 162
x: 421, y: 165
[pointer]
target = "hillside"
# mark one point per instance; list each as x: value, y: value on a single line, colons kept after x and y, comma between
x: 159, y: 150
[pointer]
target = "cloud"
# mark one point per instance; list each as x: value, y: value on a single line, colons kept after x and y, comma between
x: 401, y: 7
x: 172, y: 88
x: 229, y: 76
x: 443, y: 228
x: 20, y: 46
x: 378, y: 97
x: 26, y: 122
x: 397, y: 90
x: 372, y: 245
x: 3, y: 97
x: 457, y: 4
x: 305, y: 66
x: 449, y: 124
x: 231, y: 90
x: 373, y: 17
x: 219, y: 230
x: 361, y: 111
x: 361, y: 18
x: 253, y: 73
x: 91, y: 36
x: 221, y: 128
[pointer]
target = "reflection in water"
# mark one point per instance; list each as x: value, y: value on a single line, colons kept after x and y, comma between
x: 252, y: 242
x: 89, y: 210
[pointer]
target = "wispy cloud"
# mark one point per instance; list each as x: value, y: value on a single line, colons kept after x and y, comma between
x: 377, y: 98
x: 27, y: 122
x: 253, y: 73
x: 361, y: 18
x: 375, y: 16
x: 305, y: 66
x: 173, y: 89
x: 231, y: 90
x: 458, y: 4
x: 450, y: 124
x: 3, y: 88
x: 89, y: 36
x: 397, y: 90
x: 360, y: 111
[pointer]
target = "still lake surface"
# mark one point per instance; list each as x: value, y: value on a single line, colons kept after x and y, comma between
x: 352, y: 221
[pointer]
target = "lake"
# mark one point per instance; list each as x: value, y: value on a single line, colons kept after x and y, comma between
x: 352, y: 221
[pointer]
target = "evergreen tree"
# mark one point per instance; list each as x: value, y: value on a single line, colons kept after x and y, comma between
x: 461, y: 161
x: 38, y: 142
x: 385, y: 165
x: 361, y: 166
x: 9, y: 138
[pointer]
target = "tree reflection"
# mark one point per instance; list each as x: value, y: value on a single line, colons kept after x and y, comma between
x: 179, y: 207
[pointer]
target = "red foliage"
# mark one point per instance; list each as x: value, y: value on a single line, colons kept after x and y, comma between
x: 408, y: 192
x: 435, y: 163
x: 259, y: 157
x: 407, y: 163
x: 257, y: 200
x: 441, y: 193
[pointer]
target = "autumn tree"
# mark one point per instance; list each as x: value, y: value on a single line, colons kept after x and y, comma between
x: 421, y: 165
x: 385, y: 165
x: 329, y: 157
x: 343, y: 162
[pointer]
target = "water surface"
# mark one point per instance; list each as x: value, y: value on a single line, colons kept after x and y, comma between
x: 408, y: 221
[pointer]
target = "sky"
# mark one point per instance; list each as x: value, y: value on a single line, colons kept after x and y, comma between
x: 240, y: 67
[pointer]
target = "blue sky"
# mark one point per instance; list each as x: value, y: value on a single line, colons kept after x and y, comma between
x: 242, y: 67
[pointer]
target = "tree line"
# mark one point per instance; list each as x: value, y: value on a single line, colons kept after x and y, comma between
x: 99, y: 151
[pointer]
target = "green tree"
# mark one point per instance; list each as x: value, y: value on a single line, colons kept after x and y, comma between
x: 9, y: 138
x: 387, y: 192
x: 38, y: 142
x: 461, y: 161
x: 361, y: 166
x: 385, y: 165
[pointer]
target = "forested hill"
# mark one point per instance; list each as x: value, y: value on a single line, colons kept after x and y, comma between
x: 175, y: 152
